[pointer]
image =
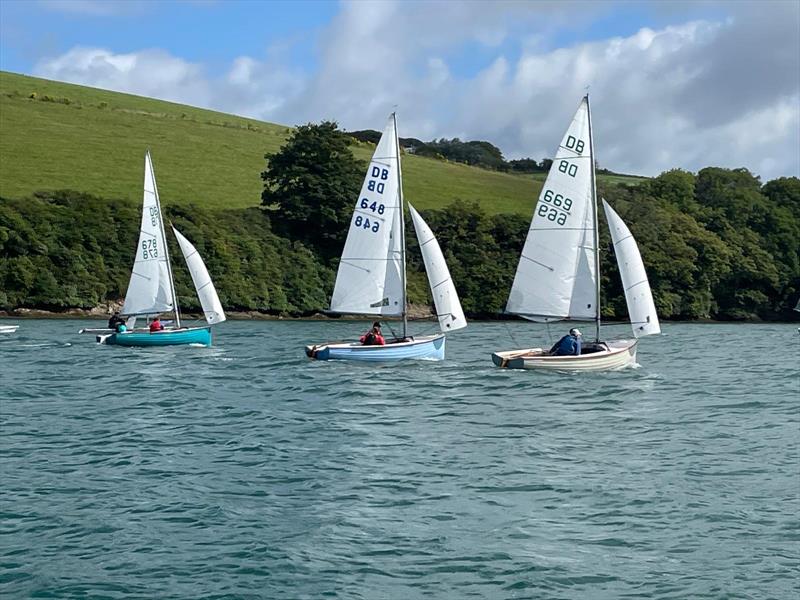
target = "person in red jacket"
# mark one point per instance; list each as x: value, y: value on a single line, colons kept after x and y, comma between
x: 373, y: 337
x: 156, y: 326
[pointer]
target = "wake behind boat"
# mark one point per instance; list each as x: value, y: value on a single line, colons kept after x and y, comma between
x: 371, y: 279
x: 151, y: 290
x: 558, y: 273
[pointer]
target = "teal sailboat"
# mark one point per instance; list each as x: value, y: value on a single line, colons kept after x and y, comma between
x: 151, y: 290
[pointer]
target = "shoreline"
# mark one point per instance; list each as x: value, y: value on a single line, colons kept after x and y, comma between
x: 416, y: 313
x: 102, y: 313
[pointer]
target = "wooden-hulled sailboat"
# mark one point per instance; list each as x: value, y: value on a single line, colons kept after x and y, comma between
x: 558, y: 274
x: 151, y: 290
x: 371, y: 279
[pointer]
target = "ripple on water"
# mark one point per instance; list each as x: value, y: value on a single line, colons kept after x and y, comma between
x: 245, y: 470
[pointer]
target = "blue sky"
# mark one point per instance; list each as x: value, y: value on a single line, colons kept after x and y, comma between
x: 675, y: 84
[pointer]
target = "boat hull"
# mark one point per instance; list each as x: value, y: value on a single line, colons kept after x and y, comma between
x: 8, y: 328
x: 618, y: 355
x: 428, y: 347
x: 167, y: 337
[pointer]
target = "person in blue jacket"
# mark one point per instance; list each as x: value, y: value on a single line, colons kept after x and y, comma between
x: 569, y: 345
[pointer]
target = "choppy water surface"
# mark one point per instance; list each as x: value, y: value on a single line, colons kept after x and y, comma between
x: 246, y: 471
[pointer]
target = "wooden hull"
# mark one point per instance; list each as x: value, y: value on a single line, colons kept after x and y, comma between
x: 618, y: 355
x: 428, y: 347
x: 8, y: 328
x: 167, y: 337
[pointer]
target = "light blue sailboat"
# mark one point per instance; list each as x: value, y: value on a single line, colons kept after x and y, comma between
x: 151, y: 290
x: 372, y: 272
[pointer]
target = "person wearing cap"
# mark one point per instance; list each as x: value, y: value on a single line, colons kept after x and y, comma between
x: 569, y: 345
x: 373, y: 337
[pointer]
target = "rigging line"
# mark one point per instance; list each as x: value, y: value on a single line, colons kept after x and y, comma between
x: 510, y: 334
x: 389, y: 325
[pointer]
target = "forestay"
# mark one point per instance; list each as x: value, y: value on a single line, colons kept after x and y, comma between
x: 150, y: 289
x: 641, y: 308
x: 212, y: 307
x: 369, y: 280
x: 556, y: 277
x: 445, y: 298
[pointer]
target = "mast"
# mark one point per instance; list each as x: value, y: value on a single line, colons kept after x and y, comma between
x: 402, y: 226
x: 596, y: 225
x: 164, y: 237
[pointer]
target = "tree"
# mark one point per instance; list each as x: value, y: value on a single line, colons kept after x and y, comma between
x: 311, y: 184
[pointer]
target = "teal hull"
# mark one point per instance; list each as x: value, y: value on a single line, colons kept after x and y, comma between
x: 168, y: 337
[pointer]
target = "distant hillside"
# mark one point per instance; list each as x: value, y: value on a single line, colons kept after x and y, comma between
x: 63, y: 136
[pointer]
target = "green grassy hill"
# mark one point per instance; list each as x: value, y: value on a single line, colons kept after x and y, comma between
x: 63, y: 136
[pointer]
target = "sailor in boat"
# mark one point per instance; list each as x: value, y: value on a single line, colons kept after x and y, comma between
x: 569, y: 345
x: 116, y: 321
x: 156, y: 325
x: 373, y: 337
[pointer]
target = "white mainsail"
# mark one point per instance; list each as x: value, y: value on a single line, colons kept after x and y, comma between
x: 641, y: 308
x: 556, y: 276
x: 370, y: 280
x: 150, y: 288
x: 445, y: 297
x: 212, y: 307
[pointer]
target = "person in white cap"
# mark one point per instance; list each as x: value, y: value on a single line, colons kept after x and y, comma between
x: 569, y: 345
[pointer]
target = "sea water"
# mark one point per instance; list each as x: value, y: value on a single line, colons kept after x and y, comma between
x: 245, y: 470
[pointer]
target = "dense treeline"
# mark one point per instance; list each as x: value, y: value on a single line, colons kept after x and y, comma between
x: 476, y: 153
x: 717, y: 244
x: 65, y: 249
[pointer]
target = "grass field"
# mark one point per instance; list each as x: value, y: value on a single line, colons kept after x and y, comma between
x: 62, y: 136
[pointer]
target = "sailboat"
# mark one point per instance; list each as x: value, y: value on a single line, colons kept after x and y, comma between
x: 151, y: 290
x: 558, y: 273
x: 371, y: 279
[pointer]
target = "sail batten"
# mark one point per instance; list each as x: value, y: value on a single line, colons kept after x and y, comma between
x: 445, y: 298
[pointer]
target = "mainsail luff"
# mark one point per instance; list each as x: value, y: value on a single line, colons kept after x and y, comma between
x: 166, y: 249
x: 596, y: 223
x: 401, y: 216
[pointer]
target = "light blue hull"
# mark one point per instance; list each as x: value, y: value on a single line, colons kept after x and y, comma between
x: 429, y: 347
x: 168, y: 337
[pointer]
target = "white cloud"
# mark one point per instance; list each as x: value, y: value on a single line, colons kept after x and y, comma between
x: 704, y: 93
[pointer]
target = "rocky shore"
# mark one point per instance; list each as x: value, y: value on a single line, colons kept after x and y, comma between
x: 103, y: 311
